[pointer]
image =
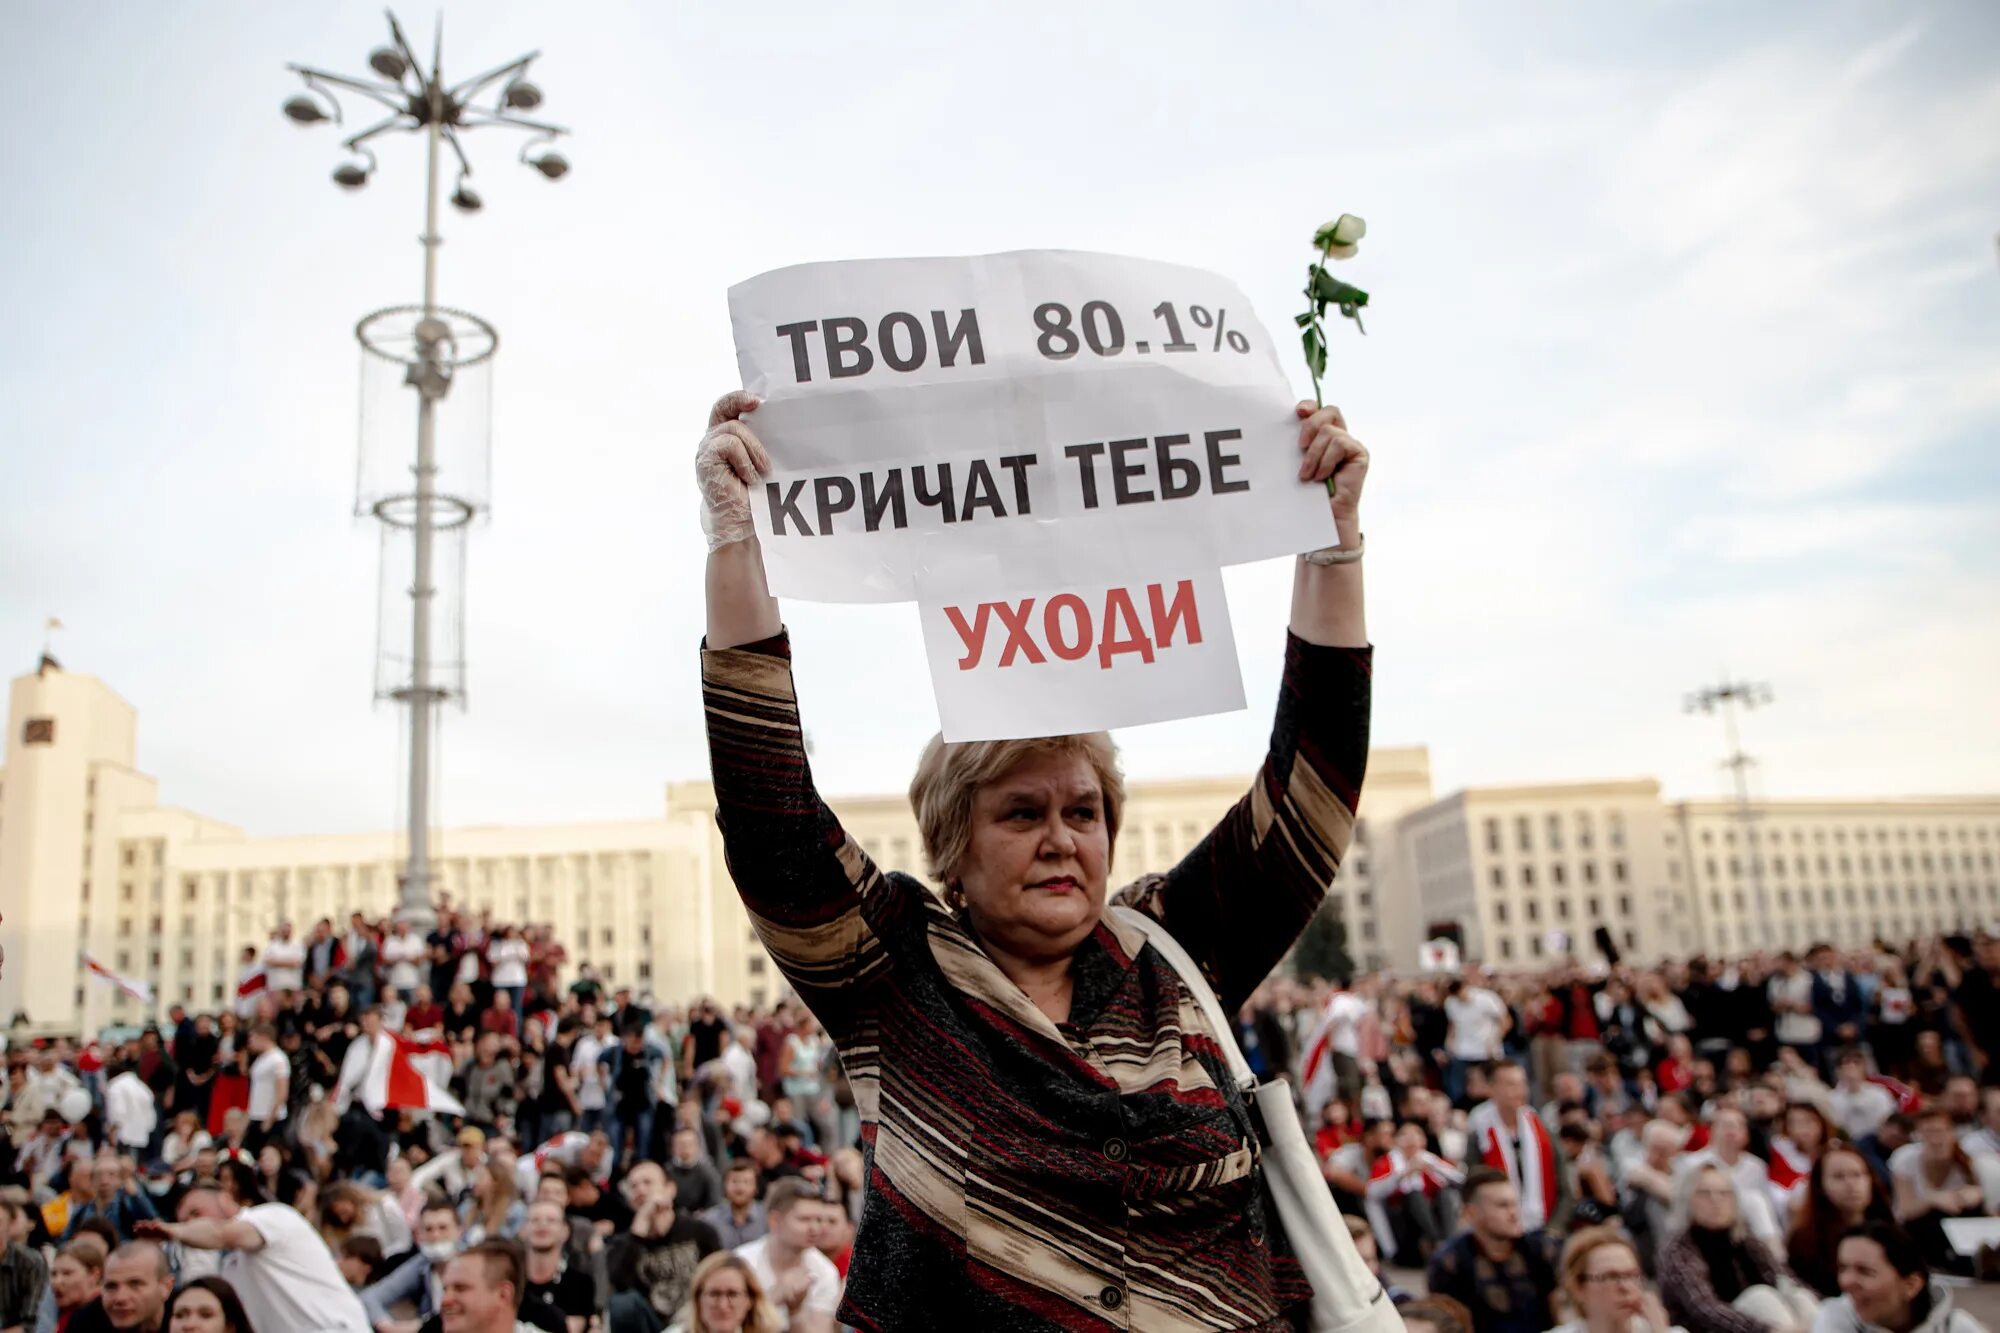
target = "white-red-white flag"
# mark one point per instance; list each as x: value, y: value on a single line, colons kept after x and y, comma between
x: 401, y: 1082
x: 132, y: 986
x: 251, y: 985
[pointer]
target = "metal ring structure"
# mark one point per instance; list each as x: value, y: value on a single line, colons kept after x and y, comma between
x: 400, y: 511
x: 392, y: 335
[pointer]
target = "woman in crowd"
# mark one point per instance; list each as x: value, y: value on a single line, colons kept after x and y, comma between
x: 75, y: 1278
x: 183, y: 1141
x: 403, y: 1191
x: 1935, y: 1181
x: 494, y: 1209
x: 1012, y: 1013
x: 206, y: 1305
x: 1716, y: 1277
x: 1606, y: 1286
x: 1885, y: 1288
x: 1840, y: 1195
x: 724, y: 1296
x: 1808, y: 1134
x: 349, y: 1209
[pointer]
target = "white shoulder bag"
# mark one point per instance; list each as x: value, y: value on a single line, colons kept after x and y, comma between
x: 1347, y: 1298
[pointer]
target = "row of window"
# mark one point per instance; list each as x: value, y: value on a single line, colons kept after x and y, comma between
x: 1558, y: 874
x: 1553, y: 826
x: 1532, y: 909
x: 1772, y: 837
x: 1891, y: 894
x: 1923, y: 862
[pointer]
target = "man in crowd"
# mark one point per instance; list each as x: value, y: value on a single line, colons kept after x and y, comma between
x: 115, y: 1198
x: 137, y: 1283
x: 801, y: 1283
x: 418, y: 1282
x: 270, y: 1085
x: 1506, y: 1276
x: 278, y: 1264
x: 654, y: 1262
x: 482, y: 1291
x: 23, y: 1275
x: 1507, y: 1135
x: 284, y: 962
x: 739, y: 1218
x: 553, y: 1282
x: 696, y: 1185
x: 1859, y: 1105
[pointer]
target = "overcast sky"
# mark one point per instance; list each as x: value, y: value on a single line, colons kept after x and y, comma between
x: 1682, y: 360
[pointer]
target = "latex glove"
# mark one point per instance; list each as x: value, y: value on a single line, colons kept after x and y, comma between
x: 727, y: 464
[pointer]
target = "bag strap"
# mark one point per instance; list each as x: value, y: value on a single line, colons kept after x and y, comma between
x: 1198, y: 988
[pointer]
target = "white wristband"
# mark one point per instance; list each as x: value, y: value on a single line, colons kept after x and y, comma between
x: 1337, y: 555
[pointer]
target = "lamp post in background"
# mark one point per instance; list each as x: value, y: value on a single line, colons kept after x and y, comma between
x: 1725, y: 697
x: 430, y: 349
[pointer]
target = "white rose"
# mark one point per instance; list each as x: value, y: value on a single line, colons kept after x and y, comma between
x: 1342, y: 234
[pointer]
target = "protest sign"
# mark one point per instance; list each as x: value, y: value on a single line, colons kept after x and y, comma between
x: 925, y: 411
x: 1025, y: 649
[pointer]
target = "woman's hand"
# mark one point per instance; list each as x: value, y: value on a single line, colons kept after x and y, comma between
x: 726, y: 465
x: 1327, y: 450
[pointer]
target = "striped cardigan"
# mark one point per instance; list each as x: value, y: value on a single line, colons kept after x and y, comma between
x: 1026, y: 1175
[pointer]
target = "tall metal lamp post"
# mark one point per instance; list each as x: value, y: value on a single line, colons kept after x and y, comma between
x: 429, y: 347
x: 1725, y: 697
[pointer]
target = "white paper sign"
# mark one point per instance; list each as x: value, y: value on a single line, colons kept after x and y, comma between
x: 1025, y: 650
x: 926, y: 412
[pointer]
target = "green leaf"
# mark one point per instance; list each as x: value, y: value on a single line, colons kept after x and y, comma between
x: 1330, y: 290
x: 1315, y: 353
x: 1303, y: 320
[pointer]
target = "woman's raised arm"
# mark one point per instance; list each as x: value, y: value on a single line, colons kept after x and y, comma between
x: 1241, y: 897
x: 817, y: 900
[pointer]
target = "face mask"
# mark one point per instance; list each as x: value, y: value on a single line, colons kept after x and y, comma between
x: 439, y: 1251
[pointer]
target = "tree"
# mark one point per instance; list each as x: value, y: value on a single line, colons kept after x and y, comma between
x: 1322, y: 948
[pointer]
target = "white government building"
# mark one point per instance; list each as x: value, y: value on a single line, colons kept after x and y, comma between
x: 92, y: 862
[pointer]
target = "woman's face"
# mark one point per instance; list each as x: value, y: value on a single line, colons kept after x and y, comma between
x: 197, y: 1311
x: 723, y: 1302
x: 72, y: 1283
x: 1713, y: 1204
x: 1611, y: 1289
x: 1035, y: 867
x: 1880, y: 1294
x: 340, y: 1212
x: 1804, y: 1129
x: 1934, y: 1133
x: 268, y: 1161
x: 399, y: 1175
x: 1849, y: 1186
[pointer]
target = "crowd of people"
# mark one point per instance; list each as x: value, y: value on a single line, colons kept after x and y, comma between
x: 397, y: 1131
x: 1778, y: 1142
x: 1728, y: 1148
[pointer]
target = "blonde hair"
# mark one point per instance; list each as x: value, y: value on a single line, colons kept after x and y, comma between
x: 950, y: 775
x: 1582, y: 1244
x: 760, y: 1319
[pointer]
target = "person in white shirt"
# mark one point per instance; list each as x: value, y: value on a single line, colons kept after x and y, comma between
x: 1859, y: 1107
x: 1790, y: 991
x: 741, y: 1064
x: 276, y: 1261
x: 130, y: 1111
x: 802, y: 1284
x: 589, y: 1075
x: 270, y: 1083
x: 1477, y: 1019
x: 507, y: 955
x: 403, y: 955
x: 284, y: 961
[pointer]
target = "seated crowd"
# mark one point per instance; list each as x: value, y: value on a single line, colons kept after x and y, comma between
x: 393, y: 1131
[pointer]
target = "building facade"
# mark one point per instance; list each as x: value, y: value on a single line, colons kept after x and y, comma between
x: 92, y: 863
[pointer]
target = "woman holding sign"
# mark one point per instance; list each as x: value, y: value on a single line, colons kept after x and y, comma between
x: 1053, y: 1139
